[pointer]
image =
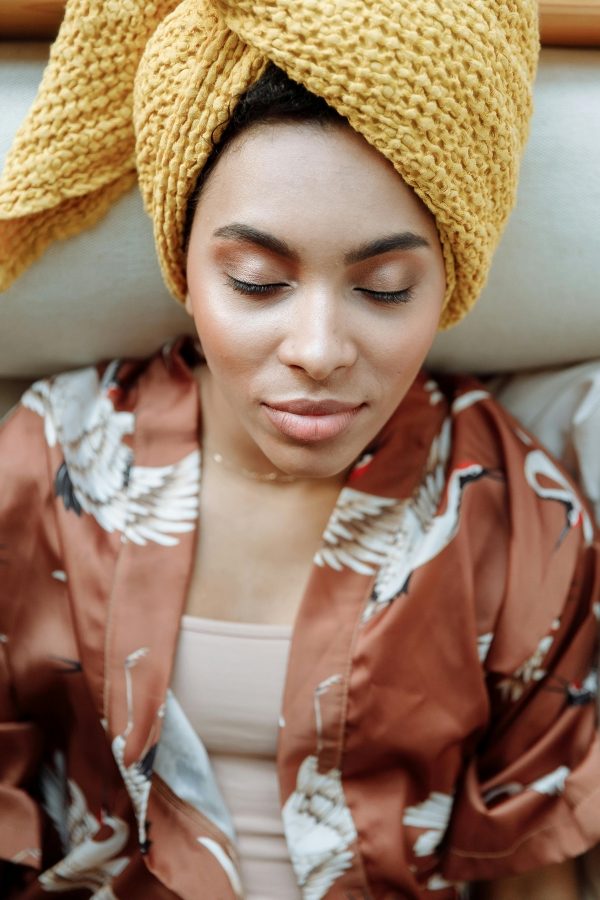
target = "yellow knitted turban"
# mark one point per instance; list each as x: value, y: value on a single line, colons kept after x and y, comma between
x: 442, y: 88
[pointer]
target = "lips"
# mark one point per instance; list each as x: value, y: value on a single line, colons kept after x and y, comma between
x: 311, y: 420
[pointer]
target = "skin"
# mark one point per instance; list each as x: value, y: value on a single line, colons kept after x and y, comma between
x: 322, y: 331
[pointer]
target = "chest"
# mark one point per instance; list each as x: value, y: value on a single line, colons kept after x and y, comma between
x: 255, y: 550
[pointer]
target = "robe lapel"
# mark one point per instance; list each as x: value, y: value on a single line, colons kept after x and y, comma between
x: 151, y: 578
x: 129, y: 594
x: 128, y: 516
x: 129, y: 556
x: 320, y: 832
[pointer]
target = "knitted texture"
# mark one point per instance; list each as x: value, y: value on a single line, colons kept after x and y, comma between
x: 442, y: 88
x: 74, y: 154
x: 193, y: 70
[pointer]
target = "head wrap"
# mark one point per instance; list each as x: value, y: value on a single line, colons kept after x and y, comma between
x: 442, y: 89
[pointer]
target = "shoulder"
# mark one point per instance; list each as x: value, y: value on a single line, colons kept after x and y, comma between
x: 481, y: 426
x: 73, y: 416
x: 65, y: 401
x: 117, y: 446
x: 65, y: 406
x: 537, y: 485
x: 530, y: 532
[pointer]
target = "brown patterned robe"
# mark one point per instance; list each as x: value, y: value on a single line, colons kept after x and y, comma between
x: 438, y: 723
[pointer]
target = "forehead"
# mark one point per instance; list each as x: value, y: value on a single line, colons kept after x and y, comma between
x: 310, y: 179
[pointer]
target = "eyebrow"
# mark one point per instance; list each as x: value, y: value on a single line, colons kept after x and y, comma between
x: 252, y: 235
x: 405, y: 240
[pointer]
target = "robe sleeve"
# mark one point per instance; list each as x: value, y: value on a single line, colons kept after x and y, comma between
x: 25, y: 498
x: 530, y: 793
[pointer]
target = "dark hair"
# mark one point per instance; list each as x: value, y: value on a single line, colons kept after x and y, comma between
x: 273, y: 98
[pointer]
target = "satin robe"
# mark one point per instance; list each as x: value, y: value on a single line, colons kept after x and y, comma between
x: 439, y: 717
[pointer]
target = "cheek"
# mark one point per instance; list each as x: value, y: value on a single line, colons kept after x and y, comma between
x: 403, y: 346
x: 229, y: 342
x: 395, y: 374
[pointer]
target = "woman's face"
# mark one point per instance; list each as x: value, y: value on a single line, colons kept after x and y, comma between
x: 316, y: 281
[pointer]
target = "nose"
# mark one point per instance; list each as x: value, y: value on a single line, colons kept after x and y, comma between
x: 318, y: 336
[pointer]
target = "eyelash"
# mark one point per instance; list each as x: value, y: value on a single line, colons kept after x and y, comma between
x: 389, y: 297
x: 247, y: 287
x: 386, y: 297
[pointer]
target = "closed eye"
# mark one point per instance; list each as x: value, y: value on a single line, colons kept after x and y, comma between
x: 250, y: 287
x: 390, y: 297
x: 254, y: 288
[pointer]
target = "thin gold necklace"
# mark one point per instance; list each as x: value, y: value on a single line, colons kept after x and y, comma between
x: 248, y: 473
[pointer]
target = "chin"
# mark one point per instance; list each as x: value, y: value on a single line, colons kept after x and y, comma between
x: 320, y: 464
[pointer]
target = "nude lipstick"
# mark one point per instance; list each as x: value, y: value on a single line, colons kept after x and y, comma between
x: 311, y: 420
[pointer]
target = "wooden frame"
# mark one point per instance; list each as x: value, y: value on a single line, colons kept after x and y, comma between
x: 570, y: 22
x: 30, y: 20
x: 563, y: 22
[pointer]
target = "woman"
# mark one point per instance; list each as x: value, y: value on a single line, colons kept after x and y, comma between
x: 437, y: 568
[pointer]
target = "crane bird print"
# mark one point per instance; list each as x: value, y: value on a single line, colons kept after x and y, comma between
x: 138, y: 774
x: 391, y: 538
x: 538, y: 464
x: 98, y: 475
x: 89, y: 863
x: 318, y: 823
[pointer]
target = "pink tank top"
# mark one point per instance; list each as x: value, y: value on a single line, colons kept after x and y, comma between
x: 228, y: 678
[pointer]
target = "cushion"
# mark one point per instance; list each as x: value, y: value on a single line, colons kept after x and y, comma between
x: 562, y: 407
